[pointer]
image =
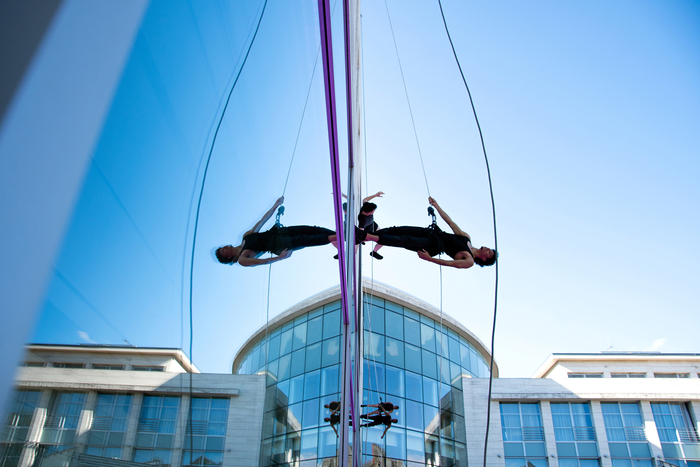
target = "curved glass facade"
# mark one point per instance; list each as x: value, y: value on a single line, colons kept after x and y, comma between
x: 408, y: 360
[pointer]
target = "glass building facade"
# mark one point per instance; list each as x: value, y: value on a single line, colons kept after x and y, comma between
x: 410, y: 360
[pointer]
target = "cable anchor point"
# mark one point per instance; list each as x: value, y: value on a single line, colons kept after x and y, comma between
x: 431, y: 213
x: 280, y: 212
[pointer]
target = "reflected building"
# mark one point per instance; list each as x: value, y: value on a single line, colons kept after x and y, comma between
x: 119, y: 406
x: 414, y: 357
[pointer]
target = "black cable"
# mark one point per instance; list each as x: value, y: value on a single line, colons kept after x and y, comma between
x: 495, y: 236
x: 199, y: 204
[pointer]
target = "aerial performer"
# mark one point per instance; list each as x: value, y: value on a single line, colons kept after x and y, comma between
x: 365, y: 220
x: 383, y: 407
x: 432, y: 241
x: 381, y: 419
x: 279, y: 240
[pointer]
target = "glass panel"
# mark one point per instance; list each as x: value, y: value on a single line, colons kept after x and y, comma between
x: 566, y: 449
x: 313, y: 357
x: 394, y: 381
x: 394, y: 352
x: 427, y: 336
x: 312, y: 384
x: 413, y: 358
x: 414, y: 386
x: 299, y: 336
x: 331, y: 324
x: 331, y: 351
x: 394, y: 325
x: 411, y: 331
x: 396, y: 443
x: 314, y: 331
x: 429, y: 364
x: 513, y: 449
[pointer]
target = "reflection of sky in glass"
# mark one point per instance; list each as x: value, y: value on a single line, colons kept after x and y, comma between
x: 591, y: 132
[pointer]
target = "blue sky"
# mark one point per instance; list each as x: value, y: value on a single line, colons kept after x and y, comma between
x: 589, y: 111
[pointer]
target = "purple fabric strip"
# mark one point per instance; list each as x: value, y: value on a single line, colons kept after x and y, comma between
x: 324, y: 12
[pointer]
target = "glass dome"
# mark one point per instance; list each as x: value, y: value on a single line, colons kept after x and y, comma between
x: 409, y: 360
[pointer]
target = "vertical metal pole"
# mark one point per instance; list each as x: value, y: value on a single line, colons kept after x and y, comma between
x: 324, y: 12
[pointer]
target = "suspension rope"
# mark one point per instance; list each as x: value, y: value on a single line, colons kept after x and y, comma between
x: 440, y: 374
x: 415, y: 132
x: 199, y: 205
x: 495, y: 235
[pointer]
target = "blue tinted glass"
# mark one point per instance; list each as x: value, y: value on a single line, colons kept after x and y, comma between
x: 513, y: 449
x: 429, y: 364
x: 454, y: 350
x: 274, y: 348
x: 413, y: 358
x: 430, y: 416
x: 331, y: 351
x: 394, y: 352
x: 587, y: 450
x: 375, y: 319
x: 314, y: 332
x: 313, y: 357
x: 285, y: 367
x: 396, y: 443
x: 331, y: 324
x: 329, y: 380
x: 414, y: 386
x: 374, y: 347
x: 310, y: 413
x: 298, y: 361
x: 296, y: 390
x: 286, y: 342
x: 374, y: 377
x: 427, y: 336
x: 535, y: 449
x: 394, y: 325
x: 312, y: 384
x: 639, y: 450
x: 413, y: 415
x: 456, y: 375
x: 393, y: 307
x: 394, y: 381
x: 411, y: 331
x: 430, y: 391
x: 618, y: 449
x: 299, y: 336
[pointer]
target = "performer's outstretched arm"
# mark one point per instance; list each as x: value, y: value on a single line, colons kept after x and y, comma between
x: 453, y: 263
x: 378, y: 194
x: 256, y: 228
x: 455, y: 228
x: 247, y: 258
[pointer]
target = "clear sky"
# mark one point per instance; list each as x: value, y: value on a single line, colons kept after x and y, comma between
x: 590, y: 113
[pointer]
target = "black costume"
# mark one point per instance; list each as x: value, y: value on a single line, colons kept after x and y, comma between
x: 366, y: 222
x: 431, y: 239
x: 382, y: 419
x: 278, y: 239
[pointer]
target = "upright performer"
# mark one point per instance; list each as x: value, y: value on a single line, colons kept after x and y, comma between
x: 281, y: 241
x: 431, y: 241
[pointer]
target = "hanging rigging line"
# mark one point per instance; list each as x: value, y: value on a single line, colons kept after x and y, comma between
x: 199, y: 202
x: 410, y: 111
x: 495, y: 236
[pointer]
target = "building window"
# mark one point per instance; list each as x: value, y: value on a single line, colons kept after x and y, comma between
x: 585, y: 375
x: 679, y: 441
x: 575, y: 435
x: 109, y: 425
x: 626, y: 437
x: 671, y: 375
x: 16, y: 429
x: 156, y: 430
x: 101, y: 366
x: 146, y: 368
x: 523, y: 436
x: 69, y: 365
x: 628, y: 375
x: 206, y: 432
x: 61, y: 423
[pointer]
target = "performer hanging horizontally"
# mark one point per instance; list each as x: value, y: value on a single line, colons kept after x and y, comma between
x: 365, y: 220
x: 431, y: 241
x: 382, y: 419
x: 382, y: 407
x: 281, y: 241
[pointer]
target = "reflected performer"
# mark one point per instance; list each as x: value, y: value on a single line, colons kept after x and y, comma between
x: 431, y: 241
x: 280, y: 241
x: 382, y: 407
x: 381, y: 419
x: 365, y: 220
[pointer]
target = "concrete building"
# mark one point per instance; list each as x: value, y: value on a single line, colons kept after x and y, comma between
x: 87, y: 405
